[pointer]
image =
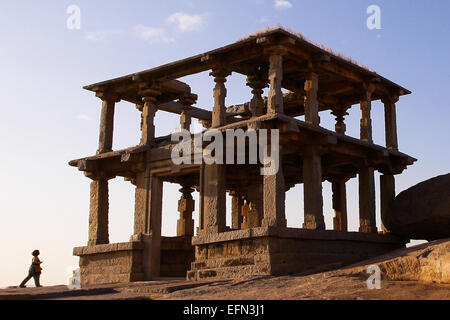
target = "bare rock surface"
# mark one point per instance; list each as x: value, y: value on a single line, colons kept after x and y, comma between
x: 422, y: 211
x: 419, y: 272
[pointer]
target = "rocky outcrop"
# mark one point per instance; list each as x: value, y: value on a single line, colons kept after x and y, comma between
x: 429, y: 262
x: 422, y: 211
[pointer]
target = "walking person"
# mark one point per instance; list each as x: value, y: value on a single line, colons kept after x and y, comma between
x: 34, y: 271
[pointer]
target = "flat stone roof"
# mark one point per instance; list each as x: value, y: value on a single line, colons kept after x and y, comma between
x: 337, y: 73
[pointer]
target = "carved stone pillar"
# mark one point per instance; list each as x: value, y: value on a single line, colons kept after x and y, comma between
x: 311, y: 101
x: 340, y: 112
x: 245, y: 209
x: 185, y: 225
x: 148, y: 204
x: 387, y: 193
x: 274, y: 199
x: 220, y: 93
x: 214, y: 198
x: 147, y: 220
x: 98, y: 212
x: 257, y: 83
x: 275, y: 96
x: 106, y: 121
x: 366, y: 121
x: 148, y: 115
x: 236, y: 211
x: 186, y: 103
x: 312, y: 189
x: 339, y: 205
x: 255, y: 212
x: 390, y: 122
x: 367, y: 222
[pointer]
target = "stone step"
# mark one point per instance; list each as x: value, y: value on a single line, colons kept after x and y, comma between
x: 234, y: 272
x: 223, y: 262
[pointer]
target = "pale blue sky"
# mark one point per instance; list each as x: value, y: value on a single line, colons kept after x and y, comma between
x: 47, y: 119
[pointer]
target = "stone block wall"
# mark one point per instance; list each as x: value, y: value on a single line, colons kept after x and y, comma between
x: 110, y: 263
x: 281, y: 251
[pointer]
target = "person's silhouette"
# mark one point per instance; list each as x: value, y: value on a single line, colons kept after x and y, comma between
x: 34, y: 271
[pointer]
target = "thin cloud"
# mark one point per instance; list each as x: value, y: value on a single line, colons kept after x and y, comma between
x: 103, y: 35
x: 187, y: 22
x: 151, y: 34
x: 282, y: 4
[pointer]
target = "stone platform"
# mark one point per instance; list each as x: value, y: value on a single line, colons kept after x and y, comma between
x: 283, y: 251
x: 125, y: 262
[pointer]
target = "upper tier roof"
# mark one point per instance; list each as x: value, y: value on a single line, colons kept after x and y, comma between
x: 340, y: 78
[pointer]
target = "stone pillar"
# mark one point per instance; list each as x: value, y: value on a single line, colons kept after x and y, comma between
x: 141, y: 203
x: 98, y: 212
x: 312, y: 189
x: 275, y: 96
x: 214, y: 192
x: 220, y: 93
x: 147, y: 220
x: 186, y: 103
x: 255, y: 210
x: 214, y: 198
x: 257, y: 83
x: 148, y: 115
x: 106, y: 121
x: 311, y: 102
x: 201, y: 214
x: 340, y: 112
x: 387, y: 192
x: 367, y: 222
x: 236, y: 211
x: 148, y: 203
x: 366, y: 121
x: 390, y: 122
x: 185, y: 225
x: 339, y: 205
x: 245, y: 209
x: 274, y: 199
